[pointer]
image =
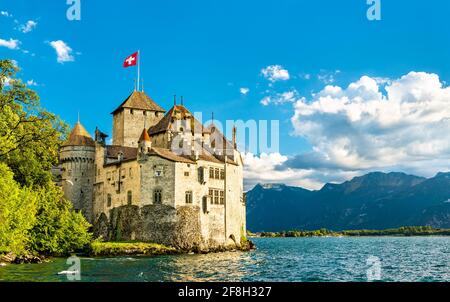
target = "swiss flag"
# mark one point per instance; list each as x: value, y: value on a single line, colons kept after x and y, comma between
x: 131, y: 60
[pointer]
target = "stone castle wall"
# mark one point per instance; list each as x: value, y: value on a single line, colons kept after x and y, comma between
x: 128, y: 125
x: 78, y: 173
x: 161, y: 224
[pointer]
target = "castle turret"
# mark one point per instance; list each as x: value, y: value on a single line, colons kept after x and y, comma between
x: 145, y: 142
x: 136, y: 112
x: 77, y: 157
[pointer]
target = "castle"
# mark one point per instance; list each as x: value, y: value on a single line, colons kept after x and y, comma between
x: 166, y: 178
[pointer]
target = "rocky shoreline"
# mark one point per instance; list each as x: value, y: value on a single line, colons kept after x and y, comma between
x: 114, y: 249
x: 24, y: 259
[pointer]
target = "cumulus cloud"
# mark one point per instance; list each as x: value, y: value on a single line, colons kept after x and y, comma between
x: 373, y: 124
x: 359, y: 129
x: 63, y: 51
x: 11, y: 43
x: 5, y: 14
x: 270, y: 169
x: 244, y: 90
x: 275, y: 73
x: 28, y: 27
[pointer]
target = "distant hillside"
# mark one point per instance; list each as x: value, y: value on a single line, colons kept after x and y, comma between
x: 373, y: 201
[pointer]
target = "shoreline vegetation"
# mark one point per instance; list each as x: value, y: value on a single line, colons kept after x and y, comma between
x: 402, y: 231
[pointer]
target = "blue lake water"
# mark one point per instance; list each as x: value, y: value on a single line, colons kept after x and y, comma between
x: 276, y: 259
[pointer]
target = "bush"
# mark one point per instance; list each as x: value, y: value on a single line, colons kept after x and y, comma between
x: 58, y: 230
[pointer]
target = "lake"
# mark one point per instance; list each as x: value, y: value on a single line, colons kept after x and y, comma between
x: 276, y: 259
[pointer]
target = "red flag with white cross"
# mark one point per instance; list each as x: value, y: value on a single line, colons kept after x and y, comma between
x: 131, y: 60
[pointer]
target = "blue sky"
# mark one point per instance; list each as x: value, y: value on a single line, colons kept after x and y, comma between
x: 208, y: 50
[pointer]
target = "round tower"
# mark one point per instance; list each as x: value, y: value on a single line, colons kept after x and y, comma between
x: 77, y: 156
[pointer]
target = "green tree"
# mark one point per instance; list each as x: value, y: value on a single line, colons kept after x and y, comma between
x: 17, y: 213
x: 34, y: 216
x: 58, y: 230
x: 29, y: 135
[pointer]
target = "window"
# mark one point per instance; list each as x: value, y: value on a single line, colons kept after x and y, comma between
x: 157, y: 196
x: 158, y: 173
x: 217, y: 173
x: 156, y: 113
x: 186, y: 173
x: 122, y: 173
x: 222, y: 174
x: 222, y: 198
x: 108, y: 175
x: 131, y: 111
x: 216, y: 196
x: 130, y: 173
x: 211, y: 173
x: 205, y: 204
x: 211, y: 193
x: 188, y: 197
x: 145, y: 112
x: 109, y: 200
x: 129, y: 197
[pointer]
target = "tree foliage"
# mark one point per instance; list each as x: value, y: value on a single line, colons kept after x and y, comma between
x: 58, y: 230
x: 29, y: 135
x: 17, y: 213
x: 34, y: 215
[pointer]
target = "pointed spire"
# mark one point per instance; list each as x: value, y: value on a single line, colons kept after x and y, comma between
x: 182, y: 101
x: 144, y: 136
x: 142, y: 84
x: 174, y: 99
x: 78, y: 121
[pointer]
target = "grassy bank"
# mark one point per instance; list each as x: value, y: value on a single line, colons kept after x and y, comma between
x: 129, y: 248
x: 403, y: 231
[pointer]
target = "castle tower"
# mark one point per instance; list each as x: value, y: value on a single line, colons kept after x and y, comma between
x: 136, y: 112
x: 145, y: 142
x: 77, y: 157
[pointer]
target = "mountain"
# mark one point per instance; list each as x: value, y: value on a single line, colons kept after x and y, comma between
x: 373, y: 201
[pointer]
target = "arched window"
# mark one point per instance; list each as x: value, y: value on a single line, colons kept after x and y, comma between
x: 109, y: 200
x: 157, y: 196
x: 129, y: 197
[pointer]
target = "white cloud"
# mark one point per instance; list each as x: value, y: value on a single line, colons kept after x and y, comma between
x: 266, y: 169
x: 5, y: 14
x: 328, y: 77
x: 27, y: 27
x: 32, y: 83
x: 11, y: 43
x: 244, y: 90
x: 359, y: 129
x: 275, y: 73
x: 63, y: 51
x: 280, y: 98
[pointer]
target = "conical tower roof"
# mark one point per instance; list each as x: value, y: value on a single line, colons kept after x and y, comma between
x: 144, y: 136
x: 79, y: 137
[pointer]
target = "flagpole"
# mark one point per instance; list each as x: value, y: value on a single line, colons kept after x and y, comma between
x: 139, y: 69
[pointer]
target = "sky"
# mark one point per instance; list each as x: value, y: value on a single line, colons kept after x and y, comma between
x: 351, y: 95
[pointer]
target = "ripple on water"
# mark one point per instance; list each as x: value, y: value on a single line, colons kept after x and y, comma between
x: 425, y: 259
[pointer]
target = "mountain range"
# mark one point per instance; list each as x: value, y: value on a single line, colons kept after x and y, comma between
x: 373, y: 201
